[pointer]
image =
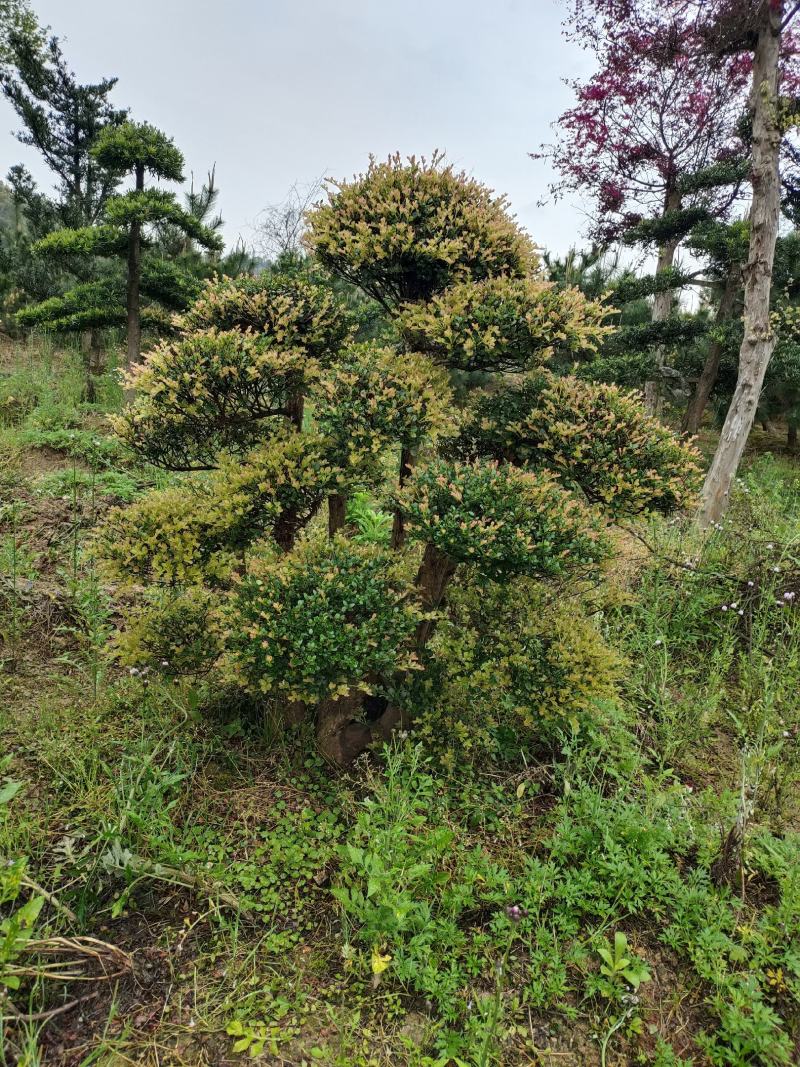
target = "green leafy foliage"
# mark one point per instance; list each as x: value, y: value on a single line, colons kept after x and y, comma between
x: 408, y: 888
x: 287, y: 310
x: 593, y: 437
x: 199, y: 530
x: 502, y: 520
x: 174, y: 632
x: 123, y: 147
x: 209, y: 391
x: 374, y: 398
x: 176, y: 536
x: 407, y: 229
x: 512, y: 670
x: 503, y: 324
x: 321, y: 621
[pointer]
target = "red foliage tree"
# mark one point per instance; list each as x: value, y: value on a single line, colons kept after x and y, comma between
x: 649, y: 116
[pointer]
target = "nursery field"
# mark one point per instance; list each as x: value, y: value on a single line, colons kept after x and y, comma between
x: 185, y: 881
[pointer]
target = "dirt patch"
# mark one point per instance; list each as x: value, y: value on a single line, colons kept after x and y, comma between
x: 135, y: 1004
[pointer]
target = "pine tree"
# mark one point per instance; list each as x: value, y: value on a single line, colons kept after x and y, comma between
x: 128, y: 224
x: 61, y: 118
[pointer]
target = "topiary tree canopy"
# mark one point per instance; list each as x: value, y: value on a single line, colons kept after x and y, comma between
x: 407, y: 229
x: 128, y: 150
x: 264, y: 396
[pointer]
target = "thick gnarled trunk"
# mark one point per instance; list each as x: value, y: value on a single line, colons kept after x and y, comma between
x: 342, y: 733
x: 341, y: 738
x: 758, y: 342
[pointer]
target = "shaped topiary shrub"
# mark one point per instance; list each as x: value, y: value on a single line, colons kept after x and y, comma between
x: 510, y: 667
x: 407, y: 229
x: 595, y: 438
x: 503, y: 324
x: 264, y: 391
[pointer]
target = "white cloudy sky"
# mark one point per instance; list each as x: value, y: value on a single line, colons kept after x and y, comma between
x: 282, y: 91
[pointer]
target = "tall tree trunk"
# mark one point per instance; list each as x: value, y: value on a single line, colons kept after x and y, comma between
x: 708, y: 376
x: 406, y: 467
x: 95, y: 365
x: 134, y: 277
x: 791, y: 436
x: 662, y: 307
x: 758, y: 342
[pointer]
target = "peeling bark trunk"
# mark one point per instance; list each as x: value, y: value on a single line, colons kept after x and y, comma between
x: 406, y: 467
x: 662, y: 307
x: 758, y: 342
x: 337, y: 510
x: 708, y: 376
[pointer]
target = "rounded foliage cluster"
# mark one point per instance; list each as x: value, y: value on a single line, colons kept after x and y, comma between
x: 285, y: 309
x: 144, y: 206
x: 199, y: 530
x: 175, y: 632
x: 175, y: 536
x: 488, y: 420
x: 285, y: 481
x: 503, y: 520
x: 209, y: 391
x: 321, y: 621
x: 510, y: 668
x: 594, y: 438
x: 503, y: 324
x: 102, y: 240
x: 600, y: 439
x: 407, y: 229
x: 374, y: 397
x: 123, y: 147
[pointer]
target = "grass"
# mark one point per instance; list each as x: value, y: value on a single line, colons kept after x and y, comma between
x: 567, y: 908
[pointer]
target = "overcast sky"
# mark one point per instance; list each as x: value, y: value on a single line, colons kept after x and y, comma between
x: 282, y: 91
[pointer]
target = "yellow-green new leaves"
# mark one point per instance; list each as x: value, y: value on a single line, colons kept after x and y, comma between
x: 503, y: 520
x: 374, y: 398
x: 503, y: 324
x: 174, y: 631
x: 283, y: 309
x: 509, y: 665
x: 209, y: 391
x: 594, y: 438
x: 407, y: 229
x: 176, y: 536
x: 599, y: 438
x: 321, y: 621
x: 196, y: 532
